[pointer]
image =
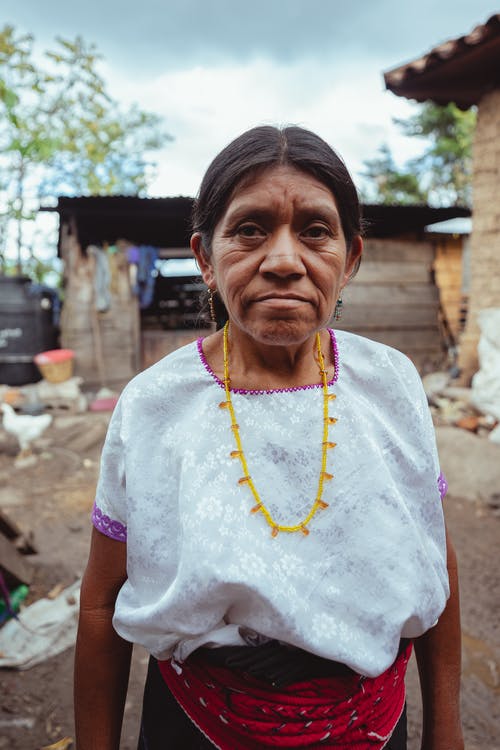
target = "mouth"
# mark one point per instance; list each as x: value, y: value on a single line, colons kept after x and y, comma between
x: 280, y: 297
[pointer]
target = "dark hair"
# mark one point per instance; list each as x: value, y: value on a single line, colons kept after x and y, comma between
x: 263, y: 147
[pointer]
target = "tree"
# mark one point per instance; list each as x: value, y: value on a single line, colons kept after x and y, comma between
x: 442, y: 174
x: 62, y: 132
x: 392, y: 185
x: 23, y: 139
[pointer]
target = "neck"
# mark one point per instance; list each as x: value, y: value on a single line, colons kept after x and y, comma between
x: 256, y: 365
x: 254, y: 356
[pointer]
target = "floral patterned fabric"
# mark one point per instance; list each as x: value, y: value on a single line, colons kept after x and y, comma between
x: 203, y: 570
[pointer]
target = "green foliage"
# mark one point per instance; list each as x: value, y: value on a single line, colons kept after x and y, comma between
x: 62, y: 133
x: 442, y: 174
x: 392, y: 185
x: 46, y: 271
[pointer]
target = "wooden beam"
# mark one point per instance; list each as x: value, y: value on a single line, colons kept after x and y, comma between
x: 13, y: 566
x: 175, y: 252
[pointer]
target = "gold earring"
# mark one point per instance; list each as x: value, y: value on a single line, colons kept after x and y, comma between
x: 211, y: 306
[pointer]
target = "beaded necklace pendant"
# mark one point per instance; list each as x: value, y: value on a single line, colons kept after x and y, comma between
x: 239, y: 454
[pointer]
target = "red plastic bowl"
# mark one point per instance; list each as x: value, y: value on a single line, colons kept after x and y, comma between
x: 53, y: 356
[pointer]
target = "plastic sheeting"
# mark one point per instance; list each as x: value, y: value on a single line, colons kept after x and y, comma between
x: 485, y: 394
x: 42, y: 630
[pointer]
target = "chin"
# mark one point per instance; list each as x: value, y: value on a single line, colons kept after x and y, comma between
x: 281, y: 332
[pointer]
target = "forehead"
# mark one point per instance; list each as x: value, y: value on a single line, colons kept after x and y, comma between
x: 281, y: 186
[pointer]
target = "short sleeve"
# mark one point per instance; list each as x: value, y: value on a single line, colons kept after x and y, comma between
x: 109, y: 512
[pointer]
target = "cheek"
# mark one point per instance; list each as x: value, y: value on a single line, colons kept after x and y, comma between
x: 234, y: 275
x: 328, y: 276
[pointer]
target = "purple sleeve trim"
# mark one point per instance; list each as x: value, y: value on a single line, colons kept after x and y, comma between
x: 442, y: 485
x: 103, y: 523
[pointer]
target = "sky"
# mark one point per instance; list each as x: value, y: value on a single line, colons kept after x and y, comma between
x: 214, y: 68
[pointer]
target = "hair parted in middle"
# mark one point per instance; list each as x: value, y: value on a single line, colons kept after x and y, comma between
x: 264, y: 147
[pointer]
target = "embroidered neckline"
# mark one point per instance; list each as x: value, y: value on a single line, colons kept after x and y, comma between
x: 271, y: 391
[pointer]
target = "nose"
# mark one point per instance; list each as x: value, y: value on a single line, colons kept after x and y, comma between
x: 283, y: 256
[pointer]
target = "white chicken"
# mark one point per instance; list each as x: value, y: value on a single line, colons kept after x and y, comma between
x: 24, y: 427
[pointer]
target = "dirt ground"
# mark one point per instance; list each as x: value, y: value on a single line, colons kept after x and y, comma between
x: 54, y: 495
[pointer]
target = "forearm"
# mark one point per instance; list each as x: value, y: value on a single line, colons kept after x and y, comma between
x: 102, y: 666
x: 438, y: 655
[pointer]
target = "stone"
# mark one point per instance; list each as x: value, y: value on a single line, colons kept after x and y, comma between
x: 434, y: 383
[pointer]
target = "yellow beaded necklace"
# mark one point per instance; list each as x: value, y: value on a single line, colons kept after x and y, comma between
x: 259, y: 507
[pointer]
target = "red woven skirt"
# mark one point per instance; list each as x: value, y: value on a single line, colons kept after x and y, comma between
x: 238, y: 712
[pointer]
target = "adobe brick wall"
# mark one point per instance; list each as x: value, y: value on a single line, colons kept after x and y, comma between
x: 485, y: 238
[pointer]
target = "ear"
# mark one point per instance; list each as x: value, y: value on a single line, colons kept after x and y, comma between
x: 353, y: 258
x: 203, y: 261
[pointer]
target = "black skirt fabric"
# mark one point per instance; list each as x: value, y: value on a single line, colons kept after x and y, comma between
x: 165, y: 726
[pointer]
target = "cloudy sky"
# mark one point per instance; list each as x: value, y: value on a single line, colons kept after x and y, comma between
x: 213, y: 68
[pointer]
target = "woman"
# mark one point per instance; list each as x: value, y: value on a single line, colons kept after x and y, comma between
x: 268, y: 516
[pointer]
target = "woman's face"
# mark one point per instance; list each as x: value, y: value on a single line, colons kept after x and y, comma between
x: 278, y: 256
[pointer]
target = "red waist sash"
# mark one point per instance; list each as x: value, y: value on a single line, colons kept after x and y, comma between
x: 238, y: 712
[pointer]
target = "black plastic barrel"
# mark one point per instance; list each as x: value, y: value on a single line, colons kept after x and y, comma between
x: 27, y: 327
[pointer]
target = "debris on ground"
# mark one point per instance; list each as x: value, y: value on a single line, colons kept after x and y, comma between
x: 15, y: 572
x: 485, y: 388
x: 10, y: 601
x: 63, y: 744
x: 456, y: 406
x: 66, y: 396
x: 45, y: 628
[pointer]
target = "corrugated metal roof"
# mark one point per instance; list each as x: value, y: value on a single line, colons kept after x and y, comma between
x: 461, y: 70
x: 162, y: 222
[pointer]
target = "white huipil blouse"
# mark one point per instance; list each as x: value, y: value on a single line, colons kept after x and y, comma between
x: 203, y: 570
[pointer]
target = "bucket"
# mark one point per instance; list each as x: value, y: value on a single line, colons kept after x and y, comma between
x: 56, y: 365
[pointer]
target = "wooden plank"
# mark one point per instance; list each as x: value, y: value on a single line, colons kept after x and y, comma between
x: 392, y: 317
x: 12, y: 532
x: 155, y: 344
x: 393, y: 273
x: 425, y: 358
x: 389, y: 294
x: 12, y: 565
x: 415, y: 341
x: 118, y: 324
x: 398, y: 251
x: 8, y: 528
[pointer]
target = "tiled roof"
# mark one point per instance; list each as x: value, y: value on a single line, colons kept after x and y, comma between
x: 460, y: 70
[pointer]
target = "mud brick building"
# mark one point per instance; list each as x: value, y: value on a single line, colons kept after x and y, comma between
x: 466, y: 71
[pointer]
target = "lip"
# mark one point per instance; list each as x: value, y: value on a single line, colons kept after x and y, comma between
x: 277, y: 297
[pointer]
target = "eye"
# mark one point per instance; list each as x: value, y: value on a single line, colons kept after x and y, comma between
x: 317, y: 232
x: 249, y: 230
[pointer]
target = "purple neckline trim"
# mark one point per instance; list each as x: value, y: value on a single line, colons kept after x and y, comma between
x: 442, y: 485
x: 270, y: 391
x: 106, y: 525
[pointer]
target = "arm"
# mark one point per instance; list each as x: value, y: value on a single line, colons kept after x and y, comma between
x: 102, y: 660
x: 438, y: 654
